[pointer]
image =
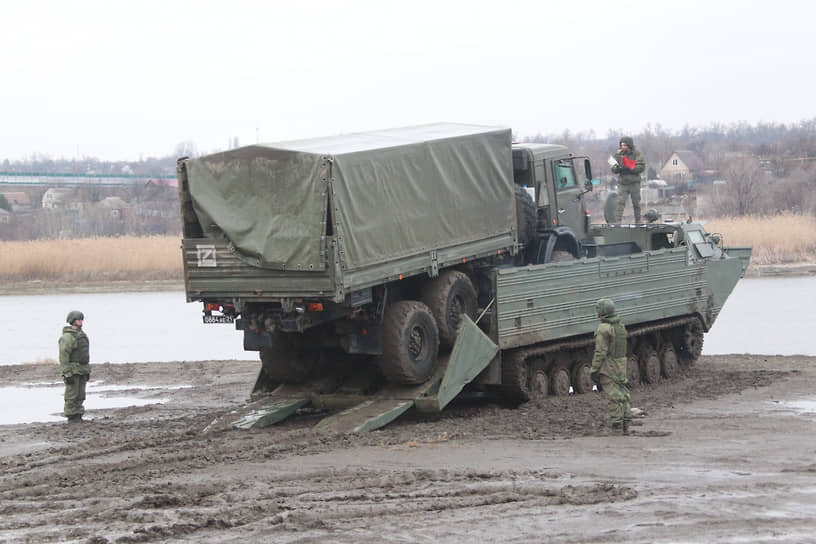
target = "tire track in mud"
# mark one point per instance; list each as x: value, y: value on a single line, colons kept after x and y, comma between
x: 149, y: 475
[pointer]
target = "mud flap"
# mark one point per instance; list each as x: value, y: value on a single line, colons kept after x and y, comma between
x: 471, y: 354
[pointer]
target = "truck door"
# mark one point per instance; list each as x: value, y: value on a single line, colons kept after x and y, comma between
x: 570, y: 206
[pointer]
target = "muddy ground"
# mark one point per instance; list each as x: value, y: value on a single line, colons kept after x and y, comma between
x: 724, y: 453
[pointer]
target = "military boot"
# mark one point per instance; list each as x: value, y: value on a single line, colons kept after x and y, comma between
x: 75, y: 418
x: 625, y: 428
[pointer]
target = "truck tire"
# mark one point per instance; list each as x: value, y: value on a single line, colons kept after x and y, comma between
x: 448, y: 297
x: 410, y: 343
x: 285, y: 361
x: 526, y: 217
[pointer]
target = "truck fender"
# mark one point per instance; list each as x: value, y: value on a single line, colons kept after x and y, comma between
x: 560, y: 237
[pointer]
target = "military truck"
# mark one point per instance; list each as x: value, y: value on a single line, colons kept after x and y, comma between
x: 384, y: 270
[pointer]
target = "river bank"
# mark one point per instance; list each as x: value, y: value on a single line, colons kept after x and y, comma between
x: 46, y: 287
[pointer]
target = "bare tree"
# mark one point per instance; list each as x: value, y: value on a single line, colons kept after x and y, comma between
x: 744, y: 187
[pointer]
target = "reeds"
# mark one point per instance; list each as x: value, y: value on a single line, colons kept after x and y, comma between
x: 778, y: 239
x: 130, y: 258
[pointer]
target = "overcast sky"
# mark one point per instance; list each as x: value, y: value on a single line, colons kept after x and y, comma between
x: 124, y: 80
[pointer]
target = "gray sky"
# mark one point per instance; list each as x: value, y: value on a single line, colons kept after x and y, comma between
x: 121, y: 80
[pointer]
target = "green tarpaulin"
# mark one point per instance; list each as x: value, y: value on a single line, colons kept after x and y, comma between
x: 393, y: 193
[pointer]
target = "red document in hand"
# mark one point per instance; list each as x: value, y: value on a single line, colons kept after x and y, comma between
x: 628, y: 163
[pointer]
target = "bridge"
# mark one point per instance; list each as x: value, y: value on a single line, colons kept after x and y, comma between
x: 76, y: 180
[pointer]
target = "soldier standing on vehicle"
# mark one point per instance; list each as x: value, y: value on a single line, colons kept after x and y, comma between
x: 629, y: 164
x: 74, y: 365
x: 609, y: 364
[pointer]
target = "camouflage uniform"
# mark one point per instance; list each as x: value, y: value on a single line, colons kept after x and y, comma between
x: 75, y: 368
x: 628, y: 178
x: 609, y: 366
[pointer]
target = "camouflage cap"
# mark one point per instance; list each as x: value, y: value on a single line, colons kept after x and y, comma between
x: 627, y: 140
x: 605, y: 307
x: 73, y: 316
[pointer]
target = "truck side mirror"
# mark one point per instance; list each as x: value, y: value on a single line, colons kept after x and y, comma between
x: 588, y: 172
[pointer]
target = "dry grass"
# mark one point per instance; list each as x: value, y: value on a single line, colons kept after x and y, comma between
x: 92, y: 259
x: 778, y: 239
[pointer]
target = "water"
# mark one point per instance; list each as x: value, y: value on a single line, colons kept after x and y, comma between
x: 766, y: 316
x: 43, y: 402
x: 122, y: 327
x: 762, y: 316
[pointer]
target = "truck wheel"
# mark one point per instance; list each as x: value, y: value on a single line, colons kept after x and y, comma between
x: 448, y: 297
x: 410, y: 343
x: 668, y: 361
x: 285, y: 361
x: 649, y: 365
x: 526, y: 216
x: 632, y: 370
x: 691, y: 343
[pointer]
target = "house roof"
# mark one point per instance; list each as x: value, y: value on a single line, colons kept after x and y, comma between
x: 19, y: 198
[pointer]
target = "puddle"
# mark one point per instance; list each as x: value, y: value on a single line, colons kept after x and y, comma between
x: 802, y: 407
x: 42, y: 402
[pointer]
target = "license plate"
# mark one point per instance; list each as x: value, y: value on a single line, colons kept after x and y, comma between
x: 219, y: 319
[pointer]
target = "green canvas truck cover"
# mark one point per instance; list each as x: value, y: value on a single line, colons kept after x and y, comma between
x: 394, y: 193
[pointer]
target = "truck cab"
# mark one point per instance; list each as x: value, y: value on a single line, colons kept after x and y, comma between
x: 548, y: 173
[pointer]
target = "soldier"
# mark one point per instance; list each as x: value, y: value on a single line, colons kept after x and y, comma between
x: 609, y: 364
x: 74, y: 358
x: 630, y: 164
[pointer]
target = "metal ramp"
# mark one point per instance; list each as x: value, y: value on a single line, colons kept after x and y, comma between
x: 471, y: 354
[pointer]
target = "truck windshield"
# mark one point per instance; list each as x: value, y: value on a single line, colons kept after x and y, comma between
x: 564, y: 175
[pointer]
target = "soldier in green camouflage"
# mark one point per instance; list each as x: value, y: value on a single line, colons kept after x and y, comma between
x: 609, y: 364
x: 630, y: 164
x: 74, y: 365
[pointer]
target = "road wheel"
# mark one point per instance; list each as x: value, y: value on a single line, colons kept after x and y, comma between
x: 559, y: 381
x: 410, y: 343
x: 581, y: 378
x: 448, y: 297
x: 668, y: 361
x: 539, y: 383
x: 691, y: 343
x: 285, y: 361
x: 632, y: 370
x: 649, y: 365
x: 515, y: 378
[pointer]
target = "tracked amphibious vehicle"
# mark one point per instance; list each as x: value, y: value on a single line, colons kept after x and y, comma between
x: 382, y: 271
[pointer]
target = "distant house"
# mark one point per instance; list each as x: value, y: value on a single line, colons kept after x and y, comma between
x: 682, y: 166
x: 19, y: 201
x: 114, y: 206
x: 56, y: 198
